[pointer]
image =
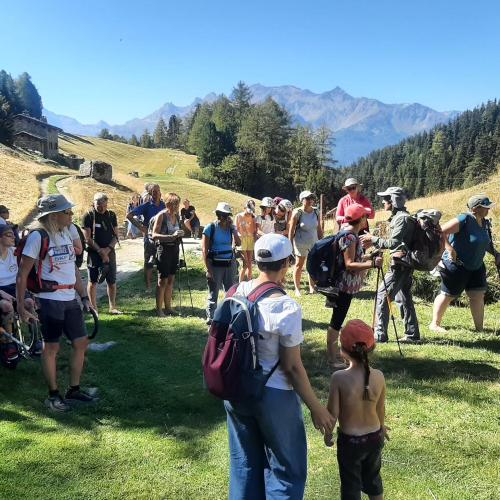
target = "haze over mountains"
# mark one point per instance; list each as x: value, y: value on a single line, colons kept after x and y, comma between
x: 360, y: 125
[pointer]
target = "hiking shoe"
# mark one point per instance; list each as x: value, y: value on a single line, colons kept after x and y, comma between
x: 382, y: 339
x: 37, y: 348
x: 409, y: 340
x: 57, y: 404
x: 79, y: 396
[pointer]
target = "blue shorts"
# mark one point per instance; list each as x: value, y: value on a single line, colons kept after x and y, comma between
x: 11, y: 290
x: 455, y: 279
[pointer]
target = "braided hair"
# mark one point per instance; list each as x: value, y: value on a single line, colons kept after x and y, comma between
x: 360, y: 353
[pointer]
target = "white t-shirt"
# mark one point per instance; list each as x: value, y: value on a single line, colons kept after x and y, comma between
x: 73, y: 232
x: 280, y: 323
x: 8, y: 268
x: 266, y: 223
x: 60, y: 258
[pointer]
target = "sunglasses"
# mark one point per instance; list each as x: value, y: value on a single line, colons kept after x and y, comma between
x: 387, y: 199
x: 8, y: 235
x: 351, y: 188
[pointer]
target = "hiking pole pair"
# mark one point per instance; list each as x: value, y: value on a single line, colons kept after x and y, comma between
x: 380, y: 272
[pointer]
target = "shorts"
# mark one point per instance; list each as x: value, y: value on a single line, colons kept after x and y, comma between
x: 302, y: 249
x: 247, y: 243
x: 110, y: 276
x: 11, y: 290
x: 149, y: 254
x: 167, y: 260
x: 455, y: 279
x: 61, y: 316
x: 342, y: 304
x: 360, y: 460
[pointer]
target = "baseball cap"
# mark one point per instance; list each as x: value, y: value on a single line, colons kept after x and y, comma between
x: 52, y: 203
x: 355, y: 332
x: 4, y: 228
x: 350, y: 182
x: 355, y: 212
x: 480, y: 200
x: 223, y: 207
x: 396, y: 190
x: 100, y: 196
x: 305, y: 194
x: 272, y: 247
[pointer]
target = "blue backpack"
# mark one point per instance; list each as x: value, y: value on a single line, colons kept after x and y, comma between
x: 231, y: 365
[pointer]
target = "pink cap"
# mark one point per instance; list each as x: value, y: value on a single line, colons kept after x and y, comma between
x: 355, y: 212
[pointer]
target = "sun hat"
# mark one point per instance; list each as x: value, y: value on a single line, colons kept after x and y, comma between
x: 272, y: 247
x: 267, y: 202
x: 52, y: 203
x: 250, y: 204
x: 223, y: 207
x: 3, y: 208
x: 355, y: 332
x: 480, y: 200
x: 100, y: 196
x: 351, y: 182
x: 393, y: 190
x: 429, y: 214
x: 287, y: 204
x: 306, y: 194
x: 5, y: 228
x: 355, y: 212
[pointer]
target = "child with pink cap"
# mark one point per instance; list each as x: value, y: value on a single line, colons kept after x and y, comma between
x: 357, y: 400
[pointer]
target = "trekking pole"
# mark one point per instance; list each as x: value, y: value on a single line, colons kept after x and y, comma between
x: 375, y: 299
x: 179, y: 286
x: 187, y: 276
x: 389, y: 304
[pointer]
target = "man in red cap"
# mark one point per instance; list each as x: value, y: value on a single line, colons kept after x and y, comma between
x: 357, y: 400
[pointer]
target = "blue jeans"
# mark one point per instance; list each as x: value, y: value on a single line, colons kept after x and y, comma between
x: 268, y: 449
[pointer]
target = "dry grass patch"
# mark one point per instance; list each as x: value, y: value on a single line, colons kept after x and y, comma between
x: 19, y: 178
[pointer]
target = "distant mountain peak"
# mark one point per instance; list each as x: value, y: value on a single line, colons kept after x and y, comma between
x: 360, y: 125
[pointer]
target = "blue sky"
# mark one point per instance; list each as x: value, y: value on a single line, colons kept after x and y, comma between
x: 115, y: 60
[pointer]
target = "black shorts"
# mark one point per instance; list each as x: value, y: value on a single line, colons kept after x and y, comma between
x: 11, y: 290
x: 342, y: 304
x: 60, y: 316
x: 167, y: 260
x: 149, y: 253
x: 455, y: 279
x: 110, y: 276
x: 360, y: 460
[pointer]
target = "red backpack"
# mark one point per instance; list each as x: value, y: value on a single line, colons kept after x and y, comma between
x: 231, y: 365
x: 35, y: 283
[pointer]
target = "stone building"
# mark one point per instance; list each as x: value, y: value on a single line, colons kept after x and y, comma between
x: 34, y: 134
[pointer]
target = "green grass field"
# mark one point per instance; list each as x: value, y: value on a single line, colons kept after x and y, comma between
x: 156, y: 433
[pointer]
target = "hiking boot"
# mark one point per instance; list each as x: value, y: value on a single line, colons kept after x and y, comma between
x: 57, y: 404
x: 79, y: 396
x: 382, y: 339
x: 407, y: 339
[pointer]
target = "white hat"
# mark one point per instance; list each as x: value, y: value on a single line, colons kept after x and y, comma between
x: 286, y: 203
x: 223, y: 207
x: 272, y: 247
x: 351, y: 182
x: 52, y: 203
x: 267, y: 202
x: 305, y: 194
x: 396, y: 190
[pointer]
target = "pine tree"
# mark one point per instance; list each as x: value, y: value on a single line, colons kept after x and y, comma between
x: 241, y: 96
x: 29, y: 98
x: 5, y: 123
x: 104, y: 134
x: 9, y: 92
x: 174, y: 132
x: 160, y: 135
x: 146, y: 140
x: 133, y: 140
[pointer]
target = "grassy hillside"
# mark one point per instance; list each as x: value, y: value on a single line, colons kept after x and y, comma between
x: 20, y: 180
x: 167, y: 167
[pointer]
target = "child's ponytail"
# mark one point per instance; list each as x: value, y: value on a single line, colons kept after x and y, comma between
x: 361, y: 354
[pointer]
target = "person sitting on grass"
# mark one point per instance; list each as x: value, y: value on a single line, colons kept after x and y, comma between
x: 357, y: 401
x: 190, y: 219
x: 167, y: 236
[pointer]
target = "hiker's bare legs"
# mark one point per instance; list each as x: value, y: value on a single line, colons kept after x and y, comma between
x: 441, y: 303
x: 297, y: 273
x: 77, y: 359
x: 476, y: 299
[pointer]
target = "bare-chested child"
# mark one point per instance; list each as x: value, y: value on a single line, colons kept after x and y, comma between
x: 357, y: 400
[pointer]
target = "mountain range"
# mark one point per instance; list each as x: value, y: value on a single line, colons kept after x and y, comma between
x: 360, y: 125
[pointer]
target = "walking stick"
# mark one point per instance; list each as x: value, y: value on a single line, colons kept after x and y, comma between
x: 187, y: 277
x: 375, y: 300
x: 389, y: 304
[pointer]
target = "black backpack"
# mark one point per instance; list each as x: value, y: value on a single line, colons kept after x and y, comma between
x: 324, y: 262
x: 79, y: 258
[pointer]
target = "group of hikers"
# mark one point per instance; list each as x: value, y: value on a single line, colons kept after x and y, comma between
x: 267, y: 440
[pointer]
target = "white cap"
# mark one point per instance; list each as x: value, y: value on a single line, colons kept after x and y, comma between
x: 223, y: 207
x: 305, y: 194
x: 396, y: 190
x: 267, y: 202
x: 272, y: 247
x: 350, y: 182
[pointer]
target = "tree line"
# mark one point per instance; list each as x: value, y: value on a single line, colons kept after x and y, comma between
x: 17, y: 96
x: 451, y: 156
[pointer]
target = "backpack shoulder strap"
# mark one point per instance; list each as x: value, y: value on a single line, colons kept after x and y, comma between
x: 264, y: 289
x: 232, y: 290
x: 44, y: 243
